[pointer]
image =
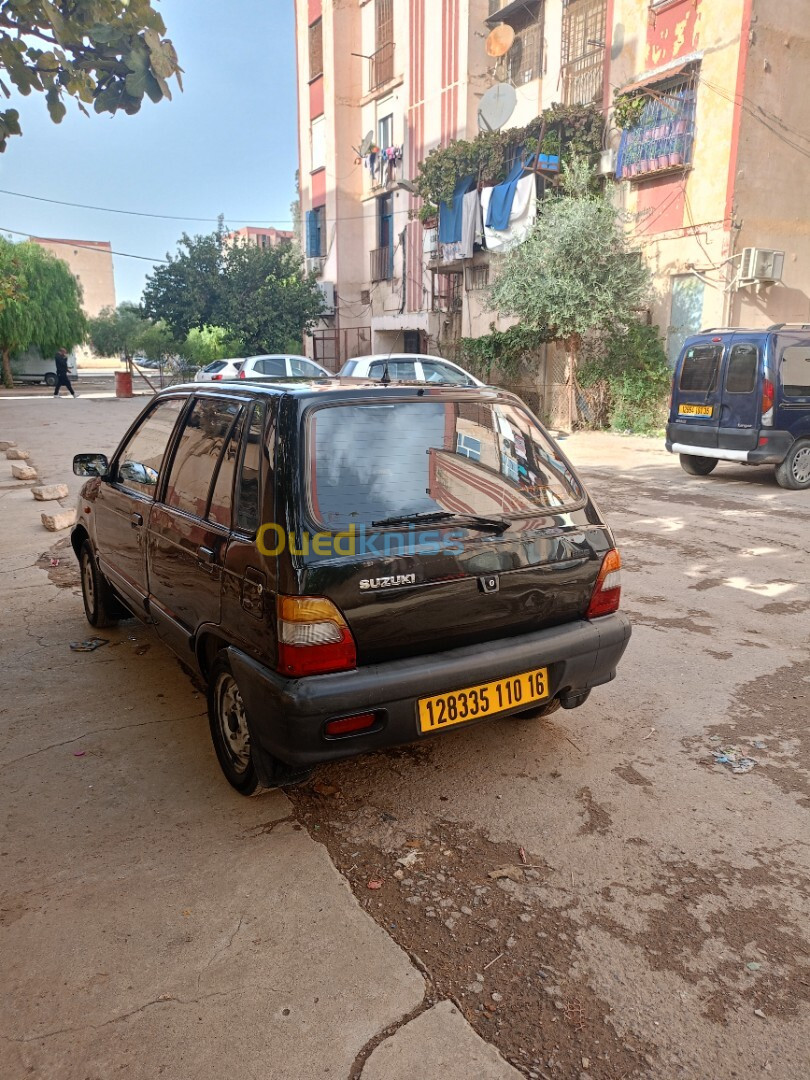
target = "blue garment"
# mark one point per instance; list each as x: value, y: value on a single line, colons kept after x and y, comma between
x: 503, y: 195
x: 450, y: 213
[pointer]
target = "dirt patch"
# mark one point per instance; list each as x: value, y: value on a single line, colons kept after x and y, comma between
x: 769, y: 717
x: 60, y: 564
x: 597, y: 819
x: 632, y: 776
x: 497, y: 946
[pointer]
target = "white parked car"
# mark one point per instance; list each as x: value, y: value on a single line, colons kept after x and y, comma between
x: 219, y: 370
x: 282, y: 366
x: 409, y: 367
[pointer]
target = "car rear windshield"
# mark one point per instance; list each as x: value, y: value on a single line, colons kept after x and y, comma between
x: 217, y: 365
x: 699, y: 370
x: 381, y: 460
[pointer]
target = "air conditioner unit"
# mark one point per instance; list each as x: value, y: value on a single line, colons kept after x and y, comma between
x: 328, y: 290
x: 761, y: 265
x: 607, y: 163
x: 314, y: 264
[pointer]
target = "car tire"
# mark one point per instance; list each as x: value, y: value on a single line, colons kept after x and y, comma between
x: 50, y: 379
x: 697, y: 466
x: 794, y: 472
x: 230, y: 732
x: 539, y: 711
x: 100, y: 605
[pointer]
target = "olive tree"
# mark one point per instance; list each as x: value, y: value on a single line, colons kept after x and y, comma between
x: 576, y: 273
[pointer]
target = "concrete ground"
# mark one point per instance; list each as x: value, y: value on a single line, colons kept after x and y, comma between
x: 594, y: 894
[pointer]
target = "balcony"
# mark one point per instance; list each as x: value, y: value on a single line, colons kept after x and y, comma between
x: 382, y: 263
x: 583, y: 78
x: 381, y: 67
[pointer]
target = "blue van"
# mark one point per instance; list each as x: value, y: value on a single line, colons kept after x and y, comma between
x: 744, y: 395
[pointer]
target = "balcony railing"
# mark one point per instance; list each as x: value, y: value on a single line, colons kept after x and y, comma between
x: 381, y: 67
x: 382, y: 263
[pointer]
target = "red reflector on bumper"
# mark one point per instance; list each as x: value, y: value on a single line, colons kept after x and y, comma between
x: 763, y: 441
x: 347, y: 724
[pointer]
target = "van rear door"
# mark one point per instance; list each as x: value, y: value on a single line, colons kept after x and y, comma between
x: 697, y: 394
x: 739, y: 415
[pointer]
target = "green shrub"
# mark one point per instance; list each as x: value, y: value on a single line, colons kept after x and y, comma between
x: 629, y: 369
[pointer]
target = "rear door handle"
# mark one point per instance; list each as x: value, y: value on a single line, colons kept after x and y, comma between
x: 136, y: 520
x: 206, y: 558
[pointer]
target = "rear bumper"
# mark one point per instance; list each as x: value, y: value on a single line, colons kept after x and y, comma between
x: 771, y: 452
x: 287, y: 716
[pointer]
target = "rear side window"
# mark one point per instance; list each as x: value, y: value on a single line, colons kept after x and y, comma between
x: 274, y: 366
x: 741, y: 376
x: 442, y: 373
x: 796, y: 371
x: 249, y: 485
x: 371, y: 462
x: 198, y: 451
x: 699, y: 370
x: 398, y: 370
x: 221, y: 506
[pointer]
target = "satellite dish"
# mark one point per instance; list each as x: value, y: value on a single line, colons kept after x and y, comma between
x: 496, y: 106
x: 499, y: 41
x: 366, y: 144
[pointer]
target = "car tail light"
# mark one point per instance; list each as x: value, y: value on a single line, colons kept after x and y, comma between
x: 215, y: 378
x: 313, y: 637
x: 242, y: 375
x: 607, y: 591
x: 347, y: 725
x: 767, y: 402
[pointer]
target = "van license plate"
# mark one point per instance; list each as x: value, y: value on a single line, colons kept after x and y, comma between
x: 486, y: 699
x: 695, y: 410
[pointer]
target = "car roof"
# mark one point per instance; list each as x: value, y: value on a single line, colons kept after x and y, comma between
x: 382, y: 357
x: 281, y: 356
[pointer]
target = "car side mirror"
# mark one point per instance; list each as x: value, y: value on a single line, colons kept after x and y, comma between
x: 90, y: 465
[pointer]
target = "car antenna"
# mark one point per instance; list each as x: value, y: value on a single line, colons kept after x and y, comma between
x: 386, y: 375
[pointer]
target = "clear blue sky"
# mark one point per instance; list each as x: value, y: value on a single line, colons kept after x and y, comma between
x: 227, y: 144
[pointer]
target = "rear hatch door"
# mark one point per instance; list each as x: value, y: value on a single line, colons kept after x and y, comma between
x: 743, y: 371
x: 697, y: 392
x: 520, y: 546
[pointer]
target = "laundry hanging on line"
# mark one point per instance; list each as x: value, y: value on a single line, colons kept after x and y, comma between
x: 501, y: 198
x: 521, y: 216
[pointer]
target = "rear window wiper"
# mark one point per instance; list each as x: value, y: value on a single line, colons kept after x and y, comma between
x: 475, y: 521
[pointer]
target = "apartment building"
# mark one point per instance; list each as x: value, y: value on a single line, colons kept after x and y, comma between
x: 258, y: 237
x: 711, y: 168
x: 91, y: 263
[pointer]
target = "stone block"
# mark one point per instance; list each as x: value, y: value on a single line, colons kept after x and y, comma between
x: 47, y: 492
x: 23, y: 472
x: 15, y: 454
x: 63, y: 519
x: 6, y: 444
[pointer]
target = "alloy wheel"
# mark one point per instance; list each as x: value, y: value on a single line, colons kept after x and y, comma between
x: 232, y: 722
x: 801, y: 466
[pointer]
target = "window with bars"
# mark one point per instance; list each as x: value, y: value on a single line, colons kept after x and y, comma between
x: 316, y: 49
x: 381, y: 62
x: 583, y: 50
x: 663, y: 136
x: 448, y: 291
x: 524, y: 61
x: 477, y: 277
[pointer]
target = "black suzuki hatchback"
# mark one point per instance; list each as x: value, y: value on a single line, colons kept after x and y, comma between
x: 350, y: 565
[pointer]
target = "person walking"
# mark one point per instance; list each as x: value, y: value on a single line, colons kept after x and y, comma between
x: 62, y: 378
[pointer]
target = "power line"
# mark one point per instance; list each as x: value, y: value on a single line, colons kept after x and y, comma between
x: 75, y: 244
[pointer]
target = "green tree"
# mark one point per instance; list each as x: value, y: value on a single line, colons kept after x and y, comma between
x: 267, y: 299
x: 118, y: 331
x: 186, y: 292
x: 260, y: 296
x: 210, y: 343
x: 576, y: 272
x: 104, y: 53
x: 40, y: 303
x: 157, y: 342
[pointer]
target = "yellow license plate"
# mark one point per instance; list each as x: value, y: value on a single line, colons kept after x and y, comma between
x: 695, y: 410
x: 486, y: 699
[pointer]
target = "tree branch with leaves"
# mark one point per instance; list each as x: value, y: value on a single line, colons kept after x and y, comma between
x: 104, y: 54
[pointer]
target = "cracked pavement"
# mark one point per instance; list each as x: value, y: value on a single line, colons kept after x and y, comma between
x: 154, y: 923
